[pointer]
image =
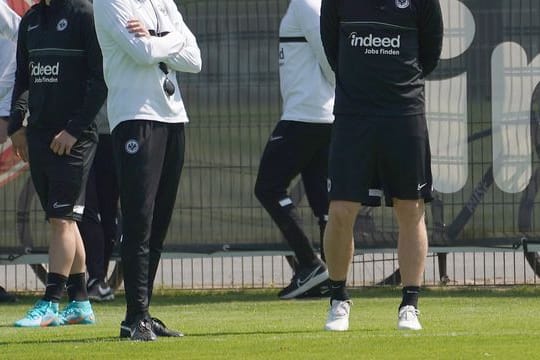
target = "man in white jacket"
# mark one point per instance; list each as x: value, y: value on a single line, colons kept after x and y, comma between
x: 9, y: 26
x: 144, y: 42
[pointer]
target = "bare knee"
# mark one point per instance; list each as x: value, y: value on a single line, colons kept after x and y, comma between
x: 61, y: 223
x: 343, y: 213
x: 409, y: 212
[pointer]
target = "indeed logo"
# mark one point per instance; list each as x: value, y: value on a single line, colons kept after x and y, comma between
x: 44, y: 73
x: 375, y: 41
x: 375, y: 45
x: 38, y: 69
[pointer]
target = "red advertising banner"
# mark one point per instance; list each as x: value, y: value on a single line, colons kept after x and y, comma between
x: 21, y: 6
x: 10, y: 164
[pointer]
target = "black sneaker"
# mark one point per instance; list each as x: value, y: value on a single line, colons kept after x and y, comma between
x: 6, y: 297
x: 125, y: 329
x: 320, y: 291
x: 158, y: 328
x: 99, y: 290
x: 303, y: 280
x: 142, y: 331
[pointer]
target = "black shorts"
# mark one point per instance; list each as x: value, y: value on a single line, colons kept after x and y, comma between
x: 372, y: 157
x: 60, y: 181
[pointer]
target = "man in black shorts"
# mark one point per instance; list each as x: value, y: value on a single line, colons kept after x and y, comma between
x: 59, y: 63
x: 381, y: 51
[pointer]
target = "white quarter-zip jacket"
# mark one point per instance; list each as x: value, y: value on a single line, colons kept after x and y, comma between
x: 9, y: 22
x: 306, y: 79
x: 9, y: 26
x: 131, y: 64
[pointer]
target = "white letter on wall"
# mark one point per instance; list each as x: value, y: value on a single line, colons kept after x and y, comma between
x: 513, y: 81
x: 446, y: 104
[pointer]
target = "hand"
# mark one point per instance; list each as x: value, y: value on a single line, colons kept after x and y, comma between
x: 3, y: 129
x: 20, y: 146
x: 62, y: 143
x: 137, y: 28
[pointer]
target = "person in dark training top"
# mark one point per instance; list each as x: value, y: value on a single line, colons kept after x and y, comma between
x: 381, y: 52
x: 59, y: 65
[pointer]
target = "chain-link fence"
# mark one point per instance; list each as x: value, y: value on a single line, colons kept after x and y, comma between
x: 483, y: 116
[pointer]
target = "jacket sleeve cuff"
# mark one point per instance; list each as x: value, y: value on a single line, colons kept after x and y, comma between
x: 74, y: 131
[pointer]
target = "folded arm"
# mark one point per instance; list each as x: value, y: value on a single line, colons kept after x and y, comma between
x: 112, y: 16
x: 189, y: 58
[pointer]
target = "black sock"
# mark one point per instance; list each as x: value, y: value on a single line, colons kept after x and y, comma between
x: 338, y: 291
x: 76, y: 287
x: 55, y: 287
x: 410, y: 296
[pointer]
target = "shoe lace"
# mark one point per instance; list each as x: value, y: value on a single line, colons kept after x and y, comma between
x: 145, y: 325
x: 340, y: 309
x: 409, y: 312
x: 71, y: 309
x: 37, y: 311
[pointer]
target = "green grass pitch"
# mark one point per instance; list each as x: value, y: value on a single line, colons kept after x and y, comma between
x: 462, y: 323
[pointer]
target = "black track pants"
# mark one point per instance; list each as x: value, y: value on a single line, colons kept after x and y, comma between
x: 98, y: 227
x: 295, y: 148
x: 149, y: 156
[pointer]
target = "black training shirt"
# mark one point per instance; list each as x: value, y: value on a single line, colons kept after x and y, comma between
x: 59, y: 61
x: 381, y: 51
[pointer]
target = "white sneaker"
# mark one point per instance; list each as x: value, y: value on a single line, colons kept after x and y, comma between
x: 338, y: 316
x: 408, y: 318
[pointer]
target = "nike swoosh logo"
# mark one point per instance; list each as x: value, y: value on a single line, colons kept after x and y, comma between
x: 420, y: 186
x: 125, y: 327
x: 32, y: 27
x: 102, y: 291
x: 274, y: 138
x: 56, y: 205
x: 324, y: 290
x: 299, y: 282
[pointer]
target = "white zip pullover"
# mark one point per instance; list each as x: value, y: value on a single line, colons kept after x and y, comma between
x: 130, y: 63
x: 9, y: 27
x: 306, y: 80
x: 9, y: 22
